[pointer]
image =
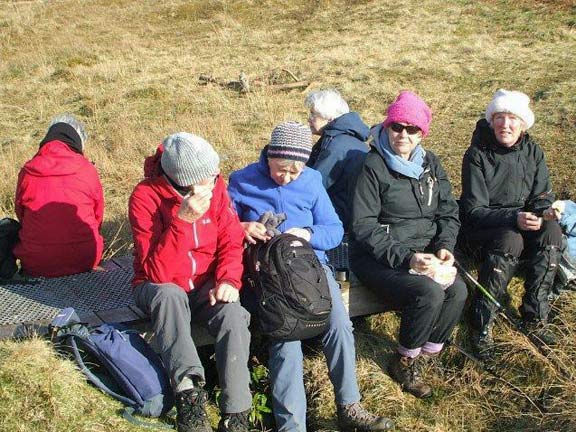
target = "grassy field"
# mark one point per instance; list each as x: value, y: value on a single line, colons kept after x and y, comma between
x: 130, y: 70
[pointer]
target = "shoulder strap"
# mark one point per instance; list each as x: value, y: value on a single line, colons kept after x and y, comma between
x: 92, y: 377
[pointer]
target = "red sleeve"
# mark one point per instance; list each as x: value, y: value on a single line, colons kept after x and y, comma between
x: 230, y: 240
x: 156, y: 247
x: 18, y: 207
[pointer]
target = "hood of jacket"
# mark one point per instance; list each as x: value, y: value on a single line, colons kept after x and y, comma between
x: 349, y: 124
x: 55, y: 158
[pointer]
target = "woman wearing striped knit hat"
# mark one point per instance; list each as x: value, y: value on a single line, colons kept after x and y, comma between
x: 280, y: 182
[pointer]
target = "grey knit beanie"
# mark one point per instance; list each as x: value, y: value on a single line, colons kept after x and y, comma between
x: 188, y: 159
x: 290, y: 140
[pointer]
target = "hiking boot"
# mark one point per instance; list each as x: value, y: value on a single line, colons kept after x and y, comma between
x: 236, y: 422
x: 354, y: 417
x: 483, y: 343
x: 539, y: 332
x: 406, y: 372
x: 191, y: 411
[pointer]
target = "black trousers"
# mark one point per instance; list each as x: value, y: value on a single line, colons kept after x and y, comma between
x: 506, y: 245
x: 429, y: 313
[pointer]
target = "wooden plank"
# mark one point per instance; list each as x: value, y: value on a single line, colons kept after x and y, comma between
x: 359, y: 300
x: 138, y: 312
x: 90, y: 318
x: 24, y: 330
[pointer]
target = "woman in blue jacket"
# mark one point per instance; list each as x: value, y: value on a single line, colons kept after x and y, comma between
x: 281, y: 183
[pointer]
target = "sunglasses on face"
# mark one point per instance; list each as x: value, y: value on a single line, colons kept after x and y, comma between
x: 398, y: 128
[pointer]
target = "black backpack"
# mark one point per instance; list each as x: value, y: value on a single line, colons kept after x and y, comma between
x: 8, y: 237
x: 291, y: 288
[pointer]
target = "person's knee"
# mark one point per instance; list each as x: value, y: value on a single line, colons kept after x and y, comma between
x: 458, y: 292
x: 232, y: 317
x: 508, y: 242
x: 430, y: 294
x: 551, y: 234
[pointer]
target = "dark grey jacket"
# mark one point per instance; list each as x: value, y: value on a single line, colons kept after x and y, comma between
x: 497, y: 181
x: 395, y: 216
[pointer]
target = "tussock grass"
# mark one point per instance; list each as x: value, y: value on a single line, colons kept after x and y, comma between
x: 130, y: 71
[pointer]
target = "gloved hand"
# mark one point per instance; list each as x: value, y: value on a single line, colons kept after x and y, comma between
x: 271, y: 221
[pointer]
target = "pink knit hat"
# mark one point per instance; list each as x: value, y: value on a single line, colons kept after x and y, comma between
x: 409, y: 108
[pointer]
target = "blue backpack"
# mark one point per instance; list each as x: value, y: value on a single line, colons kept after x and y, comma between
x: 121, y: 364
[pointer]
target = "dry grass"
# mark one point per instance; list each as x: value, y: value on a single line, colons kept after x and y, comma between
x: 130, y: 70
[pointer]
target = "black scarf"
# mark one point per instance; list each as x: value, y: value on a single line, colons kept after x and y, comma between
x: 65, y: 133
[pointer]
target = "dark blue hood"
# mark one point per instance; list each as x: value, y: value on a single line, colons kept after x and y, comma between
x: 349, y: 124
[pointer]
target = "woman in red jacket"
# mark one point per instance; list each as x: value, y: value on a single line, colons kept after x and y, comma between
x: 60, y: 204
x: 188, y: 245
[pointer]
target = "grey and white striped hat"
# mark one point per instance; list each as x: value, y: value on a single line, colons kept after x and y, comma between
x: 290, y: 140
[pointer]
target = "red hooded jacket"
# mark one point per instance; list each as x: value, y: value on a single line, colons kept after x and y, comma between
x: 60, y: 204
x: 169, y: 249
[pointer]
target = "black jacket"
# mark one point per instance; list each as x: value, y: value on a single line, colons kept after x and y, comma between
x: 395, y: 216
x: 497, y: 181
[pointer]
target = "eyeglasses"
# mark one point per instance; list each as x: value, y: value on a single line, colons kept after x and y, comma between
x: 398, y: 128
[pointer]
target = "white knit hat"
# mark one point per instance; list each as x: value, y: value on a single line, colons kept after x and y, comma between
x: 513, y: 102
x: 188, y: 159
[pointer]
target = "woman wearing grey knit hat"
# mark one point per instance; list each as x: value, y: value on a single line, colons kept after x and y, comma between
x: 280, y: 182
x: 188, y: 245
x: 505, y: 189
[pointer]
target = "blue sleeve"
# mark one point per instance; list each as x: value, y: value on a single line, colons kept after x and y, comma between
x: 235, y: 196
x: 568, y: 220
x: 327, y: 231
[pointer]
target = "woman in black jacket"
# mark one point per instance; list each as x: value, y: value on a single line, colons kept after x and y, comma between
x: 505, y: 188
x: 404, y: 229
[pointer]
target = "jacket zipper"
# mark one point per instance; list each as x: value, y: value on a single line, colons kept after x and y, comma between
x: 430, y: 181
x: 192, y: 260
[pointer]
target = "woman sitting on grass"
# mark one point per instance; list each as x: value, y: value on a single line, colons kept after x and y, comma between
x: 404, y: 228
x: 280, y: 182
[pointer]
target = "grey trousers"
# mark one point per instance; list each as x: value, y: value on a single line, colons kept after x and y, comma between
x: 172, y: 310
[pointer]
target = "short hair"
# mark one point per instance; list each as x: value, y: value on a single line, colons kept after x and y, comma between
x: 328, y: 103
x: 72, y: 121
x: 289, y: 163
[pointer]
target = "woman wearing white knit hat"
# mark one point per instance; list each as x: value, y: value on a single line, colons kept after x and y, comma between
x: 505, y: 188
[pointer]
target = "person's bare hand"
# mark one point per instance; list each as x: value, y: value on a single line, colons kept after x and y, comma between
x: 528, y: 221
x: 224, y: 293
x: 254, y: 231
x: 300, y: 232
x: 195, y: 203
x: 423, y: 262
x: 446, y: 257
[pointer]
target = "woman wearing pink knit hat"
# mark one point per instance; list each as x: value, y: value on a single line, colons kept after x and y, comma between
x: 404, y: 229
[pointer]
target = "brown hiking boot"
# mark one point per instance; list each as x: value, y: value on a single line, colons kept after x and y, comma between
x: 355, y: 418
x: 405, y: 371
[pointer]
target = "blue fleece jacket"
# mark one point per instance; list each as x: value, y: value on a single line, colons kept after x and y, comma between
x: 304, y: 201
x: 338, y: 156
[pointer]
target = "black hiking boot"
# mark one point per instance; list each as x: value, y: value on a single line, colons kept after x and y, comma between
x: 236, y: 422
x: 539, y: 332
x: 483, y: 343
x: 191, y: 411
x: 406, y: 372
x: 354, y: 417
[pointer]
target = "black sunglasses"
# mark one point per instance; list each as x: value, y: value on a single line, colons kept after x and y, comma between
x: 398, y: 128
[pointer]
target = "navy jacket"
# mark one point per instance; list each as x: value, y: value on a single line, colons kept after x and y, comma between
x: 338, y: 156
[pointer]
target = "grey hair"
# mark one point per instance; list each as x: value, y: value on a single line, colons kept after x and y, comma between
x: 72, y: 121
x: 288, y: 163
x: 329, y: 103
